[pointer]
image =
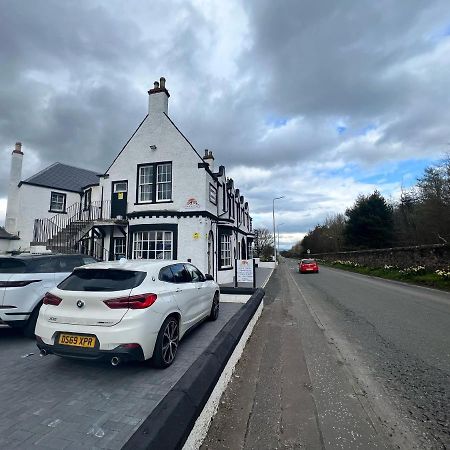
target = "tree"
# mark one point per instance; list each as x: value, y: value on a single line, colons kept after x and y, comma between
x: 433, y: 209
x: 370, y: 222
x: 263, y: 244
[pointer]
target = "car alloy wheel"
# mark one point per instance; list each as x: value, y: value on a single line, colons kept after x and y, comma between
x: 166, y: 343
x: 214, y: 314
x: 170, y: 341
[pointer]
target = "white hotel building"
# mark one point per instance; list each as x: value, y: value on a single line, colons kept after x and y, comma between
x: 159, y: 198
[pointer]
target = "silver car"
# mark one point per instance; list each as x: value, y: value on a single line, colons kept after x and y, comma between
x: 24, y: 280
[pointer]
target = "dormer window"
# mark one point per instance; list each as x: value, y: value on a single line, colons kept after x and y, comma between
x: 154, y: 183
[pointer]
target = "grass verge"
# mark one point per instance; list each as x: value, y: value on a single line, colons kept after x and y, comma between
x: 429, y: 279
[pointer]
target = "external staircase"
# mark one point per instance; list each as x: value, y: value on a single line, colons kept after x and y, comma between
x: 74, y: 230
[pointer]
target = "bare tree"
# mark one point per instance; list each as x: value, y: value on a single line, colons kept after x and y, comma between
x: 263, y: 243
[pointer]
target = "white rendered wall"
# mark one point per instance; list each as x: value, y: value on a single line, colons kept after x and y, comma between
x: 7, y: 245
x: 188, y: 181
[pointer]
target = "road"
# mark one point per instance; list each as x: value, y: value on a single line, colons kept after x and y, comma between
x: 373, y: 354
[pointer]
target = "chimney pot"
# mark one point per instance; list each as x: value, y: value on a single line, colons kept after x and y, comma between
x: 18, y: 148
x: 162, y: 82
x: 155, y: 85
x: 206, y: 152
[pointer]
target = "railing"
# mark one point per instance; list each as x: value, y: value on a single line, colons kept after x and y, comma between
x: 46, y: 229
x: 65, y: 232
x: 100, y: 252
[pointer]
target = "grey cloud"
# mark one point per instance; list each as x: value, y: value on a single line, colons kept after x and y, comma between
x: 75, y: 73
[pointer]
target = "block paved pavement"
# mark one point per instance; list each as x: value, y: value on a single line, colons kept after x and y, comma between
x: 56, y: 403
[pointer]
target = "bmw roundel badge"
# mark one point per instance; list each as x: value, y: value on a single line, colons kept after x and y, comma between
x: 80, y: 303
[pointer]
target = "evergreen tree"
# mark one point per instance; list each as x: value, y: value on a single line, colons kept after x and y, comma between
x: 369, y: 222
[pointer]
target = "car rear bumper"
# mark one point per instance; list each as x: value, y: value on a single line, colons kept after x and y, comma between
x: 108, y: 339
x: 13, y: 316
x: 124, y: 354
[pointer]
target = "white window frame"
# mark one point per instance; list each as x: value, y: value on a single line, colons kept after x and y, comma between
x: 225, y: 251
x: 118, y: 186
x: 149, y: 183
x: 162, y: 248
x: 163, y: 178
x: 160, y: 183
x: 56, y: 202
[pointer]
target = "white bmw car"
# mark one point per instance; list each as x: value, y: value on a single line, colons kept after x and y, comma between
x: 126, y: 310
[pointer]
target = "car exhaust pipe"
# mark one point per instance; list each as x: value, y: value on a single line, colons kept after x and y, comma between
x: 43, y: 352
x: 115, y: 361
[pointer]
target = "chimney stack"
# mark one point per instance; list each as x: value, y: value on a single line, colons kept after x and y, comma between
x: 158, y: 101
x: 209, y: 159
x: 15, y: 175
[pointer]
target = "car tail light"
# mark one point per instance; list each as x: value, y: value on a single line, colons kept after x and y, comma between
x: 50, y: 299
x: 141, y: 301
x: 17, y: 283
x: 134, y: 345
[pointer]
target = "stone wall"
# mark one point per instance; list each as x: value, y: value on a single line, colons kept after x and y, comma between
x: 433, y: 257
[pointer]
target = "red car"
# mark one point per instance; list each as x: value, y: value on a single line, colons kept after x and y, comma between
x: 308, y: 265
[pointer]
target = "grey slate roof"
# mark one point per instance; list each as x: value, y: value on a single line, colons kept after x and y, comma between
x: 64, y: 177
x: 5, y: 235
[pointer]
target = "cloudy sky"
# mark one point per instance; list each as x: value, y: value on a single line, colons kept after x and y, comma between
x: 316, y: 101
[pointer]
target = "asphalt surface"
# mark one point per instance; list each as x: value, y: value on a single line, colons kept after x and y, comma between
x: 341, y: 360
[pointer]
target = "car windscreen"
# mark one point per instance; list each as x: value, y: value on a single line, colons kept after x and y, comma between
x: 308, y: 261
x: 12, y: 265
x: 102, y: 280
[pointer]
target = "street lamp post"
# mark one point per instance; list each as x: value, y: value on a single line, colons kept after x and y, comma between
x: 274, y: 239
x: 278, y: 237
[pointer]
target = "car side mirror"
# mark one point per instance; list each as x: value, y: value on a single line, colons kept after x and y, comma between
x: 209, y: 277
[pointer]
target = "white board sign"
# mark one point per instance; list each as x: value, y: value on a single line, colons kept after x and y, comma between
x: 245, y: 270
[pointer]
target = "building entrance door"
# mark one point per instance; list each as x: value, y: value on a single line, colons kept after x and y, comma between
x: 119, y: 199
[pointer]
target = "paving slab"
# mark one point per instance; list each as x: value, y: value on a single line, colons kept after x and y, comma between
x: 53, y: 402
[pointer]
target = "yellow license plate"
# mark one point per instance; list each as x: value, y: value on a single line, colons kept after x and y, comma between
x: 77, y: 341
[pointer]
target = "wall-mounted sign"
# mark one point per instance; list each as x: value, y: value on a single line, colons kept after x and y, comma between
x: 245, y: 270
x: 212, y: 194
x: 192, y: 203
x: 196, y: 235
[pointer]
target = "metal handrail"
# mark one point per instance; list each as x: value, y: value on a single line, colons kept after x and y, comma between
x: 47, y: 228
x: 64, y: 231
